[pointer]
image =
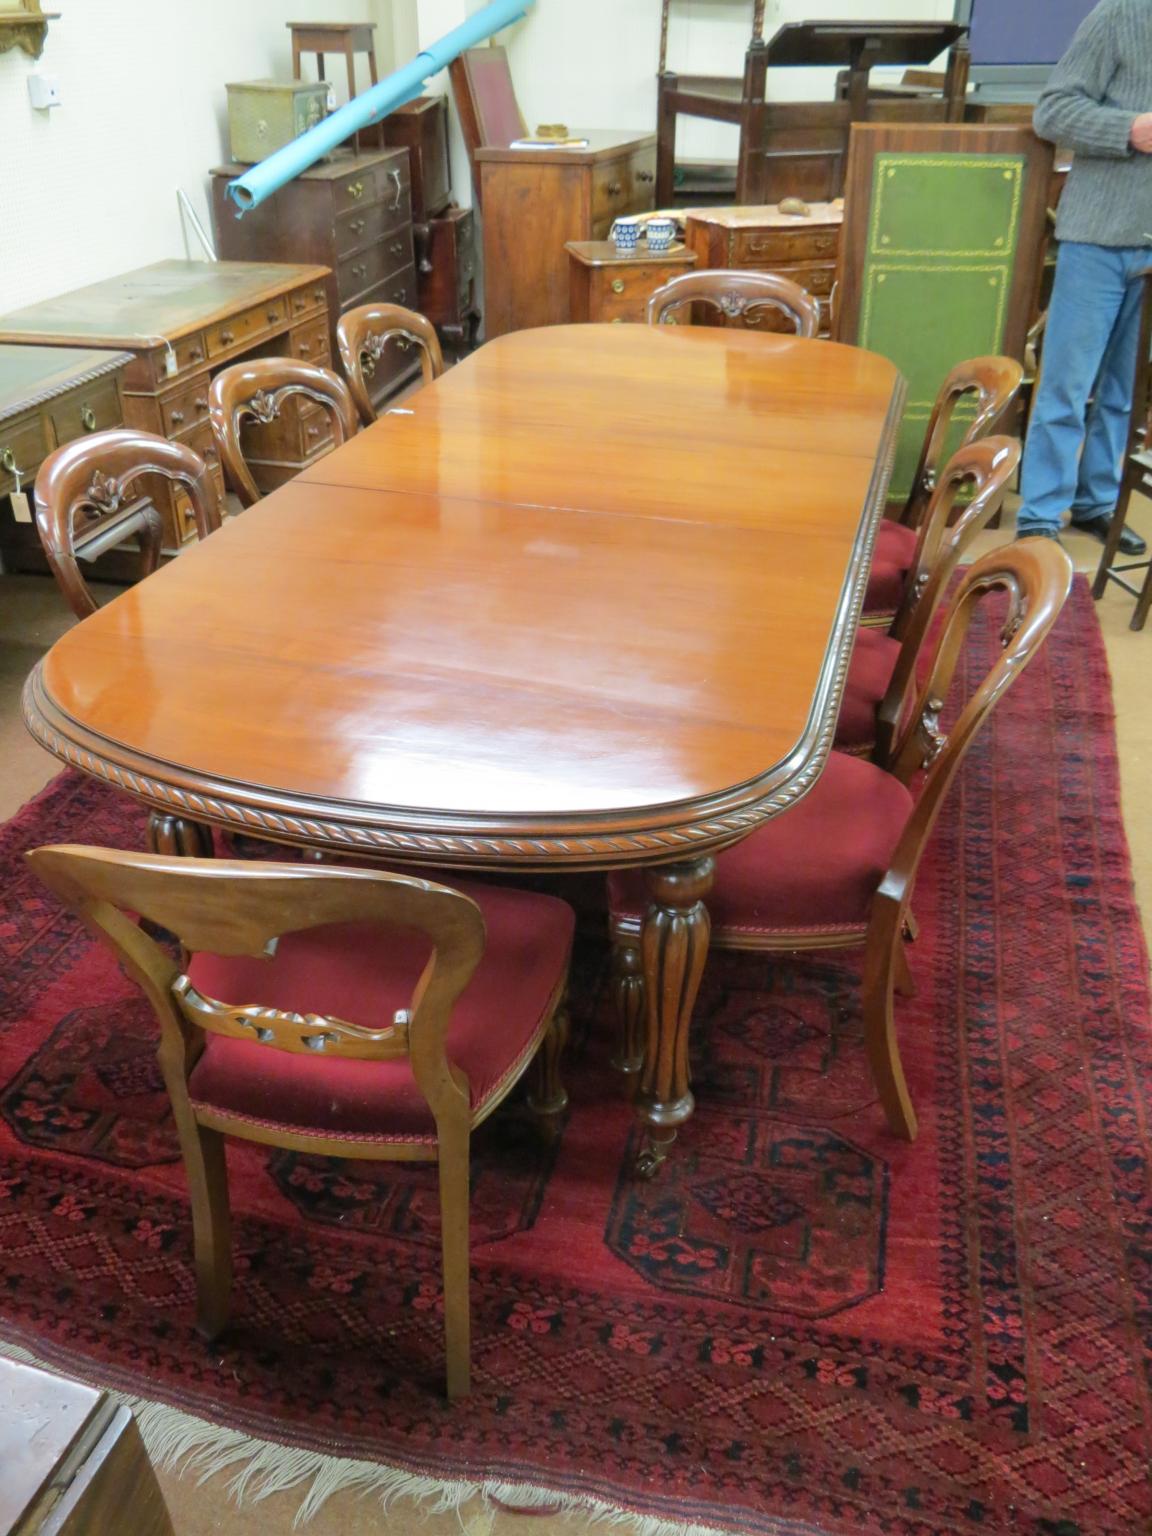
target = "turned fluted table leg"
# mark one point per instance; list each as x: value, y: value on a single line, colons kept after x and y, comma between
x: 174, y: 834
x: 673, y: 948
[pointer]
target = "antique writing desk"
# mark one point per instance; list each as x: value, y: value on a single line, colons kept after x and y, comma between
x: 587, y: 601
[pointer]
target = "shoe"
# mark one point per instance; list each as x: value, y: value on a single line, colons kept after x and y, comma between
x: 1130, y: 541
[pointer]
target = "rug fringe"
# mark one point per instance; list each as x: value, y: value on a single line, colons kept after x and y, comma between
x: 187, y: 1446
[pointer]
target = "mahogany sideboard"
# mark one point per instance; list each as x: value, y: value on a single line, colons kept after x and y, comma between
x: 607, y: 285
x: 804, y: 248
x: 351, y: 214
x: 535, y: 200
x: 182, y: 321
x: 48, y: 396
x: 71, y: 1461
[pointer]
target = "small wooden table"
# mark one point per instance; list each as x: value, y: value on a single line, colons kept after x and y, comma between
x: 586, y: 602
x: 71, y: 1461
x: 182, y: 321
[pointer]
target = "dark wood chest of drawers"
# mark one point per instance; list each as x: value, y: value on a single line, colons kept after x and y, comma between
x: 448, y: 286
x: 48, y: 397
x: 765, y: 240
x: 535, y: 200
x: 352, y: 214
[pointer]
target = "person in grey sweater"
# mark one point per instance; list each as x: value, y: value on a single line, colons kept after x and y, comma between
x: 1098, y: 103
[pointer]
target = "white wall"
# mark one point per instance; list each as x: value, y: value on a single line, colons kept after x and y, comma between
x: 88, y: 189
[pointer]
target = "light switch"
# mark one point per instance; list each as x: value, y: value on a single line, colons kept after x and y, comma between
x: 43, y: 91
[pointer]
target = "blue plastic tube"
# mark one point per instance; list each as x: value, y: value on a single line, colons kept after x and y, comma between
x: 250, y: 190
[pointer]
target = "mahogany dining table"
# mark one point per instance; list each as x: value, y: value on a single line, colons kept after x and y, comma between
x: 585, y: 602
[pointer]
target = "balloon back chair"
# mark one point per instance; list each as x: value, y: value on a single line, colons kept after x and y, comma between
x: 341, y: 1012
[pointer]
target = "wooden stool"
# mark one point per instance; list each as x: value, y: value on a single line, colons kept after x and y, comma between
x: 346, y: 37
x: 1137, y: 475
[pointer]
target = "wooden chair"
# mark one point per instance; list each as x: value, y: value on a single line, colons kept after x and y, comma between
x: 883, y: 662
x: 995, y: 383
x: 1137, y: 477
x: 736, y: 294
x: 88, y: 500
x: 257, y: 391
x: 837, y: 869
x: 362, y: 335
x: 341, y: 1012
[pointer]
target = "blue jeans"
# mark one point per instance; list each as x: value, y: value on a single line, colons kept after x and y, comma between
x: 1089, y: 354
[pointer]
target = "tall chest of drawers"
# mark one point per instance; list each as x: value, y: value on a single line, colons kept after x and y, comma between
x: 536, y: 200
x: 763, y: 239
x: 352, y: 214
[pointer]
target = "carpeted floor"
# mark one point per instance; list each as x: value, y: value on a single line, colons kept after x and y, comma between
x: 802, y: 1327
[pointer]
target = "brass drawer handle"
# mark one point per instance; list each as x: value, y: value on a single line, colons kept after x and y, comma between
x: 272, y: 315
x: 613, y: 189
x: 396, y: 248
x: 177, y: 417
x: 645, y: 176
x: 196, y: 355
x: 8, y: 463
x: 360, y: 270
x: 227, y: 338
x: 401, y: 295
x: 303, y: 348
x: 357, y: 226
x: 201, y: 404
x: 356, y: 189
x: 88, y: 419
x: 617, y: 285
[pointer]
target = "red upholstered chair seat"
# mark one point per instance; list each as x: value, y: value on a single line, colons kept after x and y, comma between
x: 874, y: 658
x: 891, y: 561
x: 812, y: 869
x: 362, y: 973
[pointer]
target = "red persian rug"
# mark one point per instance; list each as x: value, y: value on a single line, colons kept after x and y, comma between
x: 801, y: 1327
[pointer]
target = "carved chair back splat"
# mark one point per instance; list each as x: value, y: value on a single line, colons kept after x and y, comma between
x: 362, y: 335
x: 984, y: 470
x: 88, y: 499
x: 737, y: 295
x: 995, y: 382
x: 227, y: 908
x: 257, y: 390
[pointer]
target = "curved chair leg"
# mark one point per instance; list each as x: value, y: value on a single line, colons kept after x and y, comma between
x: 454, y: 1213
x: 207, y: 1173
x: 628, y: 990
x: 547, y: 1096
x: 880, y: 970
x: 902, y: 978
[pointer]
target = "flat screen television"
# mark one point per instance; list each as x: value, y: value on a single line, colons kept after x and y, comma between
x: 1015, y: 43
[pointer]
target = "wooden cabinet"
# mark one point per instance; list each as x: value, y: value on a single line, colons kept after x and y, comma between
x: 48, y: 396
x: 535, y: 201
x: 71, y: 1461
x: 448, y: 287
x: 181, y: 321
x: 605, y: 286
x: 352, y: 214
x: 766, y: 240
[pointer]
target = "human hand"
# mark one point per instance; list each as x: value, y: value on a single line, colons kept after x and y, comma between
x: 1140, y: 135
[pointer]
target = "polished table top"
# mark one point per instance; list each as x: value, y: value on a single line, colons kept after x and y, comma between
x: 587, y: 599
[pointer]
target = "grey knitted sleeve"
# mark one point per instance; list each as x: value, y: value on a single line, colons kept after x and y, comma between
x: 1072, y: 111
